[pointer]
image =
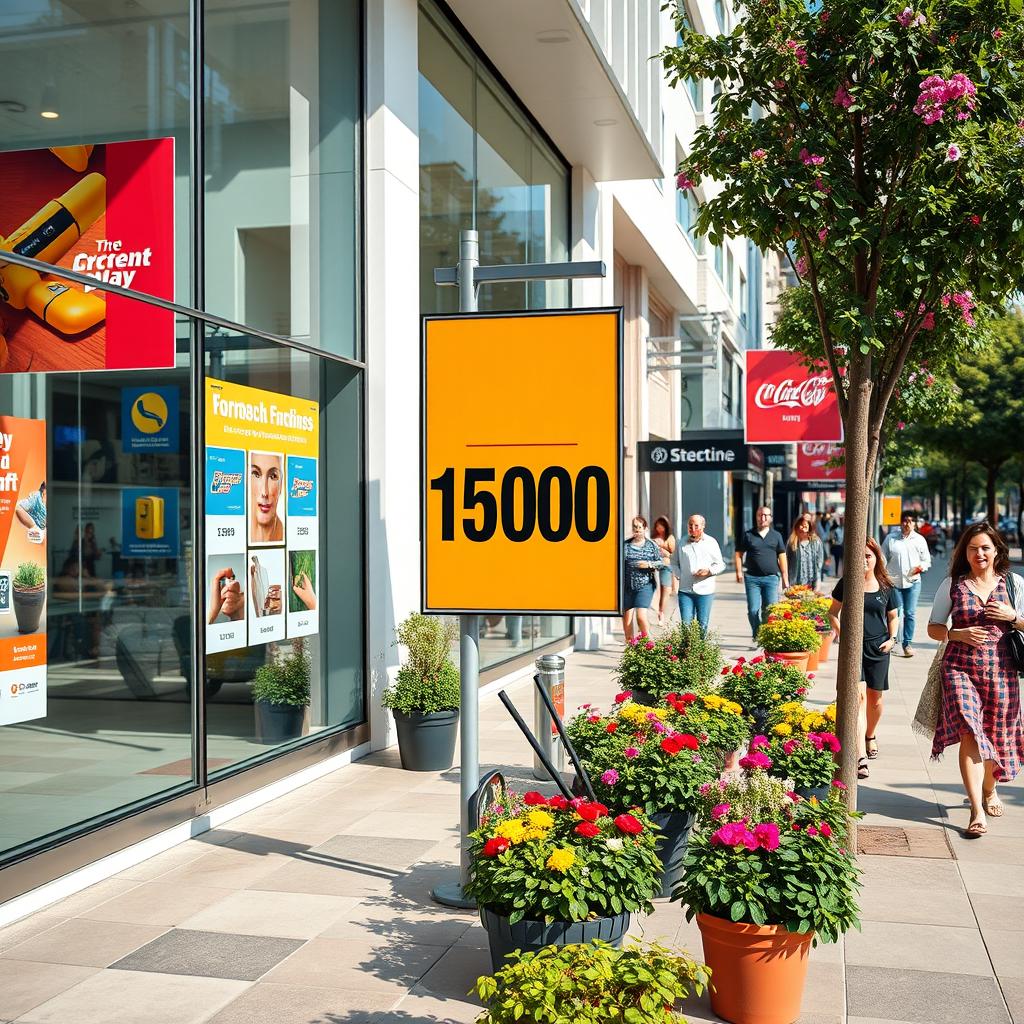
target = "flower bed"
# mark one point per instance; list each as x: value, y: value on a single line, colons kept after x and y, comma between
x: 762, y: 682
x: 787, y: 633
x: 681, y: 659
x: 791, y: 717
x: 806, y: 760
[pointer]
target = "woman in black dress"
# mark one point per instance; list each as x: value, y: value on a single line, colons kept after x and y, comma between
x: 881, y: 627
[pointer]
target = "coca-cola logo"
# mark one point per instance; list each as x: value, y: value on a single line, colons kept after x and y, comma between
x: 788, y: 394
x: 816, y: 449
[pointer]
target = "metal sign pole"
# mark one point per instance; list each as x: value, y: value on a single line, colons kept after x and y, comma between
x: 468, y: 275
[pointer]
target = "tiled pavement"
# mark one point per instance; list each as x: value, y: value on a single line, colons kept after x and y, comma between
x: 315, y: 909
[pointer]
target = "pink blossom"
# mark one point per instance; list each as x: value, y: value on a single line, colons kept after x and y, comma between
x: 801, y: 266
x: 839, y: 784
x: 610, y: 777
x: 631, y: 752
x: 649, y: 645
x: 684, y: 181
x: 831, y: 741
x: 798, y: 51
x: 908, y: 18
x: 659, y: 727
x: 825, y: 829
x: 937, y: 93
x: 843, y: 98
x: 705, y: 789
x: 789, y: 746
x: 756, y: 760
x: 719, y: 811
x: 810, y: 159
x: 953, y: 153
x: 735, y: 833
x: 767, y: 835
x: 758, y: 154
x: 822, y: 235
x: 928, y: 322
x: 820, y: 185
x: 901, y: 425
x: 759, y: 743
x: 811, y: 830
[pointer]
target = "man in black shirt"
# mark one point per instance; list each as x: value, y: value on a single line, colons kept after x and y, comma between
x: 762, y: 568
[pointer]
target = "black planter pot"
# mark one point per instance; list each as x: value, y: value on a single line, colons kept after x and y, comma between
x: 642, y: 696
x: 806, y: 792
x: 530, y: 936
x: 676, y: 827
x: 426, y: 743
x: 278, y: 723
x: 760, y: 717
x: 28, y: 607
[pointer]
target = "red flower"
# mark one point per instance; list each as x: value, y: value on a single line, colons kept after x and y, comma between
x: 757, y: 675
x: 611, y: 727
x: 534, y: 799
x: 726, y: 670
x: 628, y: 824
x: 801, y: 690
x: 558, y: 802
x: 687, y: 741
x: 621, y: 698
x: 593, y: 718
x: 588, y: 829
x: 495, y: 846
x: 671, y: 697
x: 689, y: 698
x: 671, y: 745
x: 738, y: 670
x: 591, y: 811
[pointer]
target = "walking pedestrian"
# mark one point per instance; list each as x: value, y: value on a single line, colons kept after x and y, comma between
x: 836, y: 536
x: 821, y: 524
x: 664, y: 539
x: 696, y: 564
x: 760, y: 565
x: 643, y: 569
x: 881, y: 622
x: 805, y: 553
x: 906, y: 558
x: 975, y: 609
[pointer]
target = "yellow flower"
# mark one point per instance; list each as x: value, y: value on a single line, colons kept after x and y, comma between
x: 533, y: 833
x: 830, y: 713
x: 776, y: 696
x: 514, y: 830
x: 540, y: 819
x: 783, y: 729
x: 732, y: 707
x: 713, y: 701
x: 561, y: 860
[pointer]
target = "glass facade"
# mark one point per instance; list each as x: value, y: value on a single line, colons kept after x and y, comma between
x: 484, y: 165
x: 265, y: 195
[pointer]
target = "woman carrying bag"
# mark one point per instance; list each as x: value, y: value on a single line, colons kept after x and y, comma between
x: 977, y: 611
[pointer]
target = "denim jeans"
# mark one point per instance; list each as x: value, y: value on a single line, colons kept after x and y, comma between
x: 695, y: 606
x: 761, y: 592
x: 906, y: 599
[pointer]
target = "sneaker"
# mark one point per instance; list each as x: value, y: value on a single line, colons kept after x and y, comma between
x: 908, y: 652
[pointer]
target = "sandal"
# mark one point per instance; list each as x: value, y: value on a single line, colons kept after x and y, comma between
x: 863, y: 771
x: 992, y: 804
x: 975, y: 830
x: 872, y: 752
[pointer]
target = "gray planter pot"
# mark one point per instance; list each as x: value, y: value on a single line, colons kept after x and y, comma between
x: 676, y: 827
x: 278, y: 723
x: 426, y: 743
x: 28, y: 607
x: 821, y: 792
x: 530, y: 936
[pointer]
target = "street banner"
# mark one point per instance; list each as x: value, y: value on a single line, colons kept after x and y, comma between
x: 104, y: 210
x: 692, y: 456
x: 262, y: 516
x: 23, y: 581
x: 814, y: 461
x: 785, y: 401
x: 892, y: 509
x: 521, y: 493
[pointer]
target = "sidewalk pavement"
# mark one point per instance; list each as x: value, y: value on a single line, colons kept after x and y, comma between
x: 316, y: 909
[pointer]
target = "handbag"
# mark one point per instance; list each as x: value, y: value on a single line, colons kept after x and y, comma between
x: 926, y: 717
x: 1014, y: 637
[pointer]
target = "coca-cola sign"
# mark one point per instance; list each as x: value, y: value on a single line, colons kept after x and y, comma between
x: 786, y: 402
x: 815, y: 460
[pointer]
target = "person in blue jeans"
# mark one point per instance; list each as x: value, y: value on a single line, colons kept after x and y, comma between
x: 761, y: 566
x: 696, y: 564
x: 906, y: 558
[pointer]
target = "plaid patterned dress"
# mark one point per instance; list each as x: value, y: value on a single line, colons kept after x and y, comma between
x: 980, y: 690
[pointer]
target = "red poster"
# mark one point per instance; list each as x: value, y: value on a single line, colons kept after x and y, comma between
x: 813, y: 460
x: 103, y: 210
x: 786, y: 402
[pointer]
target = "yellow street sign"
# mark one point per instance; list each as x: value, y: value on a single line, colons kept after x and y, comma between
x: 521, y: 491
x: 892, y: 509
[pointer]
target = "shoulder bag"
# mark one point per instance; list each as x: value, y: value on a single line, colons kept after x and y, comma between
x: 1014, y: 637
x: 926, y: 717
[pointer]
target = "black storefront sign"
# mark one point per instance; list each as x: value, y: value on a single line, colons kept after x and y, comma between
x: 775, y: 455
x: 692, y: 456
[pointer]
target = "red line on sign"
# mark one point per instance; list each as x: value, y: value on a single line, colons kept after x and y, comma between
x: 527, y: 444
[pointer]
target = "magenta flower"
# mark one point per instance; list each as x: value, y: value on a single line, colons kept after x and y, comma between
x: 811, y: 830
x: 631, y: 752
x: 801, y: 266
x: 734, y: 834
x: 759, y: 743
x: 719, y: 811
x: 767, y: 835
x: 839, y: 784
x: 825, y: 829
x: 758, y: 154
x: 843, y: 98
x: 953, y: 153
x: 684, y: 181
x: 822, y: 235
x: 756, y: 760
x: 610, y: 777
x: 811, y: 159
x: 649, y: 645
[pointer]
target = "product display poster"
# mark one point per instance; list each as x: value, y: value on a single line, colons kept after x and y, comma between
x: 105, y: 210
x: 149, y: 522
x: 149, y: 419
x: 23, y: 582
x: 262, y: 516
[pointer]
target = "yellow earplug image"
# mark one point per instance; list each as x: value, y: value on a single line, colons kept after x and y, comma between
x: 76, y: 157
x: 149, y: 517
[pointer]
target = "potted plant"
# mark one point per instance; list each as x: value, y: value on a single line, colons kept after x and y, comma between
x: 799, y: 718
x: 280, y: 693
x: 591, y: 982
x: 809, y: 605
x: 760, y: 684
x: 555, y: 872
x: 789, y: 639
x: 805, y: 759
x: 425, y: 697
x: 29, y: 587
x: 681, y: 659
x: 714, y: 715
x: 768, y: 876
x: 637, y: 757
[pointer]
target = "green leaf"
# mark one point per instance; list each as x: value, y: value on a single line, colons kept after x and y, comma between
x: 738, y: 910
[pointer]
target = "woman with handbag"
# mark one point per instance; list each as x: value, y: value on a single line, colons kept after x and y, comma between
x: 979, y: 611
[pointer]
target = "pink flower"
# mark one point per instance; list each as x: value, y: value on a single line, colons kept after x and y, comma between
x: 631, y: 752
x: 684, y: 181
x: 801, y: 266
x: 899, y: 314
x: 822, y: 235
x: 756, y: 760
x: 659, y: 726
x: 908, y: 18
x: 593, y: 718
x: 767, y: 835
x: 825, y: 829
x: 953, y: 153
x: 811, y: 159
x: 705, y: 789
x: 719, y: 811
x: 811, y: 830
x: 789, y: 746
x: 821, y: 186
x: 758, y: 154
x: 839, y: 784
x: 798, y: 51
x: 610, y: 777
x: 649, y: 645
x: 621, y: 698
x: 734, y: 834
x: 901, y: 425
x: 759, y: 743
x: 831, y: 741
x: 843, y: 98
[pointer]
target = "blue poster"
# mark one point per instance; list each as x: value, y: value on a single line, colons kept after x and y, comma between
x: 225, y: 482
x: 149, y: 522
x: 149, y: 419
x: 301, y: 486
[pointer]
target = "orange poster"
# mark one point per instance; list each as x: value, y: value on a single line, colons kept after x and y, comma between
x: 22, y: 569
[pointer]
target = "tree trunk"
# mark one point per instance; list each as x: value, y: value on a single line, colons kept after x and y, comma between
x: 858, y: 492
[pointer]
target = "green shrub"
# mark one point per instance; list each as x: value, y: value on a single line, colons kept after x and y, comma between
x: 284, y: 679
x: 591, y: 982
x: 788, y: 635
x: 428, y: 682
x: 29, y: 575
x: 683, y: 659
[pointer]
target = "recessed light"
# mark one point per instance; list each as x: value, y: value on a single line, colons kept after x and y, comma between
x: 606, y: 122
x: 555, y: 35
x: 49, y: 114
x: 13, y: 106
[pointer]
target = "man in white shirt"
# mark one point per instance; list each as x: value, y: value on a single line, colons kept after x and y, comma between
x: 696, y: 564
x: 906, y: 557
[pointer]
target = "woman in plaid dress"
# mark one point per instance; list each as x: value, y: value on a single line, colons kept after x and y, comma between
x: 974, y: 611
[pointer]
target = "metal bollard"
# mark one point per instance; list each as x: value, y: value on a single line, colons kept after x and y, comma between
x: 551, y: 669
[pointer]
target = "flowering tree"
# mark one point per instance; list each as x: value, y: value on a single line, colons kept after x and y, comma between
x: 879, y: 147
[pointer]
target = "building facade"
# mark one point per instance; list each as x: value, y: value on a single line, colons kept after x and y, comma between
x: 326, y: 155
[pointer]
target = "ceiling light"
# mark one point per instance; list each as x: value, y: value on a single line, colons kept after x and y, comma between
x: 48, y: 106
x: 555, y: 35
x: 606, y: 122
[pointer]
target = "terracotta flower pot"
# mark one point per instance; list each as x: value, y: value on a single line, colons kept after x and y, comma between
x: 757, y: 972
x: 813, y: 659
x: 798, y: 659
x: 826, y: 646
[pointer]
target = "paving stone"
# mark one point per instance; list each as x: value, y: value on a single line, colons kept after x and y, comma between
x: 285, y: 915
x: 456, y: 973
x: 85, y: 943
x: 25, y: 984
x: 292, y: 1004
x: 210, y: 955
x: 358, y: 850
x: 923, y: 997
x: 24, y: 929
x: 1005, y: 913
x: 157, y: 902
x: 918, y: 947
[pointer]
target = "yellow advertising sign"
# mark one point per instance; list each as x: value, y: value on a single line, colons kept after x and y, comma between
x: 522, y: 479
x: 892, y: 509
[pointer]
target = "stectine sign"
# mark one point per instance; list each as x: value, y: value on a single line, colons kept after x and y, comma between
x: 786, y: 402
